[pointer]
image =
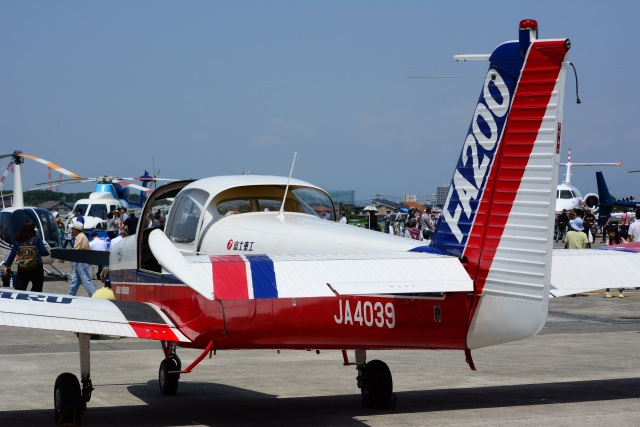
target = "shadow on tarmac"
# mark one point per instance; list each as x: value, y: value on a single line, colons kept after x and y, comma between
x: 215, y: 404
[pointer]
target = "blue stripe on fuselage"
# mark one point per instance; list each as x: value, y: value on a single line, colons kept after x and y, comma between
x: 263, y: 276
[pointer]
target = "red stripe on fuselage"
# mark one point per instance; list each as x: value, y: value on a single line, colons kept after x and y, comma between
x: 529, y: 105
x: 153, y: 331
x: 229, y: 277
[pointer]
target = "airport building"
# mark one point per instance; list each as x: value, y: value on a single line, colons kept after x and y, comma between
x: 441, y: 195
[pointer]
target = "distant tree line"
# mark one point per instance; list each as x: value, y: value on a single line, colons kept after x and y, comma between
x: 35, y: 197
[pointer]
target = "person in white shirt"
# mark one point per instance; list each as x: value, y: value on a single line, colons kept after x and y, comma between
x: 119, y: 237
x: 634, y: 228
x: 343, y: 218
x: 97, y: 244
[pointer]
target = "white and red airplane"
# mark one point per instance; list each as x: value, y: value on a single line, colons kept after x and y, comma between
x: 569, y: 197
x: 244, y: 262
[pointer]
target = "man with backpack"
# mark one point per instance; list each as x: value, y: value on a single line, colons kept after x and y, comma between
x: 28, y: 250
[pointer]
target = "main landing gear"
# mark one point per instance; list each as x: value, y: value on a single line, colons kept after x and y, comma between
x: 374, y: 381
x: 171, y: 367
x: 69, y: 400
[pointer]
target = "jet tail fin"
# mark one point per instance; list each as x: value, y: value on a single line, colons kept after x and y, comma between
x: 605, y: 204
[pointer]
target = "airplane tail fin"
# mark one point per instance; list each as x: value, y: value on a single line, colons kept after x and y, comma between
x: 498, y: 215
x: 605, y: 203
x: 145, y: 183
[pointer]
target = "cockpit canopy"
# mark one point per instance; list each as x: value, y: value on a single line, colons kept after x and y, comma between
x: 195, y: 206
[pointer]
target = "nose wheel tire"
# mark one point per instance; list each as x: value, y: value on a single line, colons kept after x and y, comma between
x: 168, y: 381
x: 69, y: 406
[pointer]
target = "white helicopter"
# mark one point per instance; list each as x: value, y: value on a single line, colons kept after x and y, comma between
x: 11, y: 218
x: 569, y: 197
x: 111, y: 193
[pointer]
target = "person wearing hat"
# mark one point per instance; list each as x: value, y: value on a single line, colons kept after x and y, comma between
x: 576, y: 239
x: 80, y: 269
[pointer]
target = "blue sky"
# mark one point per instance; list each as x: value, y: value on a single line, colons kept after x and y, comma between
x: 213, y: 88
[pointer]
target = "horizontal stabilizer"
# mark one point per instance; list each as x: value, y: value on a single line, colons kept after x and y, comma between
x: 576, y: 271
x: 371, y: 274
x: 86, y: 256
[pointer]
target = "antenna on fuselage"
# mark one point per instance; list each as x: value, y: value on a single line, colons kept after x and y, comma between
x: 286, y: 190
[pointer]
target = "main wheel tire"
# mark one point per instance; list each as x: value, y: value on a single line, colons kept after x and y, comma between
x: 68, y: 404
x: 376, y: 385
x: 169, y: 382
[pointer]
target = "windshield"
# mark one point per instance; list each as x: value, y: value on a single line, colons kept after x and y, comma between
x: 566, y: 194
x: 185, y: 215
x: 82, y: 206
x: 269, y: 199
x: 98, y: 211
x: 49, y: 227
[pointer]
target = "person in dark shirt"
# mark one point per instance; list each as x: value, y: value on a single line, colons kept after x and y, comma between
x: 27, y: 236
x: 79, y: 216
x: 131, y: 223
x: 562, y: 222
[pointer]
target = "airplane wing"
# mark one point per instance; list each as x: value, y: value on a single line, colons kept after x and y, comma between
x: 576, y: 271
x: 86, y: 315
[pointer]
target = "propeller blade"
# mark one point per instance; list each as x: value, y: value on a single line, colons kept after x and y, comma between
x: 148, y: 179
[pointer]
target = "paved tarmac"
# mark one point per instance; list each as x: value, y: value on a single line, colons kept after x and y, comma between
x: 582, y: 370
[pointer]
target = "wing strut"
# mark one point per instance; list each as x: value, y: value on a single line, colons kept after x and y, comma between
x: 195, y: 363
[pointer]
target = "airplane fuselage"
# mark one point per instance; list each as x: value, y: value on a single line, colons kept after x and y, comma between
x: 339, y: 322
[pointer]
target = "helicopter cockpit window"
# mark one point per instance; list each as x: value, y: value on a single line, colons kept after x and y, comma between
x: 6, y: 234
x: 185, y: 215
x: 49, y: 227
x: 98, y: 211
x: 10, y: 223
x: 82, y: 207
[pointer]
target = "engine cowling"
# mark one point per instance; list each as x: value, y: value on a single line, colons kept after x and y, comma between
x: 592, y: 201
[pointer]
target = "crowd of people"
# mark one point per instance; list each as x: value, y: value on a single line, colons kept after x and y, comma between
x: 586, y: 222
x: 577, y: 229
x: 414, y: 224
x: 28, y: 249
x: 582, y: 230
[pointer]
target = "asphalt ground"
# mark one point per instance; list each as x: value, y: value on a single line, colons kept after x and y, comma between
x: 581, y: 370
